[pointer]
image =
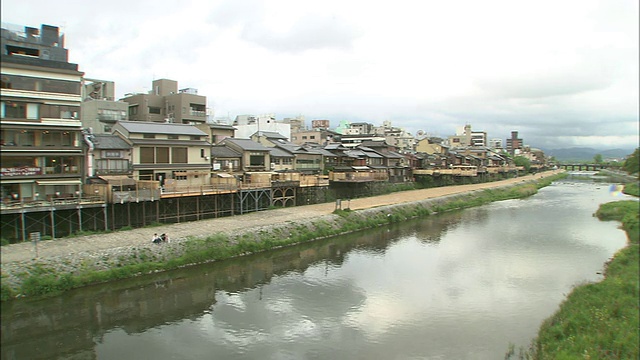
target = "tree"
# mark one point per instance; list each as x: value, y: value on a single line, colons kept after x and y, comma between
x: 632, y: 163
x: 598, y: 158
x: 522, y: 161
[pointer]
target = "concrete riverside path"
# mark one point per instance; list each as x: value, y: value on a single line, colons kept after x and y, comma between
x: 141, y: 237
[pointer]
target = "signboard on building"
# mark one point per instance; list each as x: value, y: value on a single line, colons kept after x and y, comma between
x: 20, y: 171
x: 320, y: 124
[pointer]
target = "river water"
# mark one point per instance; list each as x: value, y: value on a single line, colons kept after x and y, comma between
x: 460, y: 285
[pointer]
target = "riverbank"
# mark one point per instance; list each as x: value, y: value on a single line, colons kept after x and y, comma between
x: 600, y: 320
x: 73, y: 262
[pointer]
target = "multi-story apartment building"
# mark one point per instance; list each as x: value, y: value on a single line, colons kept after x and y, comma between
x: 165, y: 103
x: 462, y: 138
x: 42, y: 151
x: 514, y: 144
x: 478, y: 138
x: 316, y: 136
x: 297, y: 123
x: 99, y: 110
x: 495, y: 143
x: 395, y: 136
x: 363, y: 128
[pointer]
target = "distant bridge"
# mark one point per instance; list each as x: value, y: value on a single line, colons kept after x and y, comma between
x: 585, y: 167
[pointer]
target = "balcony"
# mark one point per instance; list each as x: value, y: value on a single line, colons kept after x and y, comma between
x: 197, y: 113
x: 51, y: 202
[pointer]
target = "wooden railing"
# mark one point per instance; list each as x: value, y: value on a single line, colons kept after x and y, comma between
x: 50, y: 202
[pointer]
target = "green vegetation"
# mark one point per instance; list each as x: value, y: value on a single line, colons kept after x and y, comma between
x: 41, y: 281
x: 597, y: 159
x: 599, y: 321
x: 632, y: 163
x: 631, y: 189
x: 522, y: 161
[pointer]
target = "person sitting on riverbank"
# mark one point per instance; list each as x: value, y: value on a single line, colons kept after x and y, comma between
x: 164, y: 238
x: 156, y: 239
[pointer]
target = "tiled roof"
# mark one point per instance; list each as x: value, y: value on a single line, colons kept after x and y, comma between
x: 334, y: 146
x: 279, y: 152
x: 221, y: 151
x: 270, y: 135
x: 107, y: 141
x: 246, y: 144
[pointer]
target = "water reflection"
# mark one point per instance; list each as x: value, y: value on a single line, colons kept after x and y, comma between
x: 73, y: 322
x: 432, y: 287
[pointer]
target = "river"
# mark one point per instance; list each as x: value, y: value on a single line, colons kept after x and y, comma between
x: 459, y: 285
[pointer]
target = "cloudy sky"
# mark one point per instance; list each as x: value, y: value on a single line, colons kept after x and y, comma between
x: 563, y: 73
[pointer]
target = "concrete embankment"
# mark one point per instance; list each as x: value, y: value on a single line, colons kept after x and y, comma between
x: 127, y: 253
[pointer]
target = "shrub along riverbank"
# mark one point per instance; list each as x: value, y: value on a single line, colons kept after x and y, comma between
x: 600, y: 320
x: 53, y: 277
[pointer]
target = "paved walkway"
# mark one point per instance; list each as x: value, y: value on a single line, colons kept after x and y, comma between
x: 142, y: 237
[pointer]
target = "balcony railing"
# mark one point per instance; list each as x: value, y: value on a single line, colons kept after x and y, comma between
x: 51, y: 202
x: 198, y: 113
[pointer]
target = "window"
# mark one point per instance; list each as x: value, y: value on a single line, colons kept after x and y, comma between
x: 202, y: 153
x: 173, y: 137
x: 17, y: 137
x: 179, y: 175
x: 179, y: 155
x: 113, y: 115
x: 162, y: 155
x: 154, y: 110
x: 145, y: 175
x: 256, y: 160
x: 59, y: 111
x: 195, y: 137
x: 147, y: 155
x: 48, y: 138
x: 287, y: 161
x: 105, y: 166
x: 312, y: 137
x: 67, y: 138
x: 32, y: 111
x: 26, y: 138
x: 148, y: 136
x: 14, y: 110
x: 133, y: 110
x: 40, y: 84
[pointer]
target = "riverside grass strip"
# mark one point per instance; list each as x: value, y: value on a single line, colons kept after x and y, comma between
x: 42, y: 280
x: 599, y: 320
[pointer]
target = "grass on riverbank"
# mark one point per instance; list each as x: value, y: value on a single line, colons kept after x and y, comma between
x: 42, y: 280
x: 599, y: 321
x: 631, y: 188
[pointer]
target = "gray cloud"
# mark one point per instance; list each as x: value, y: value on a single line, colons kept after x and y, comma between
x: 307, y: 33
x: 561, y: 74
